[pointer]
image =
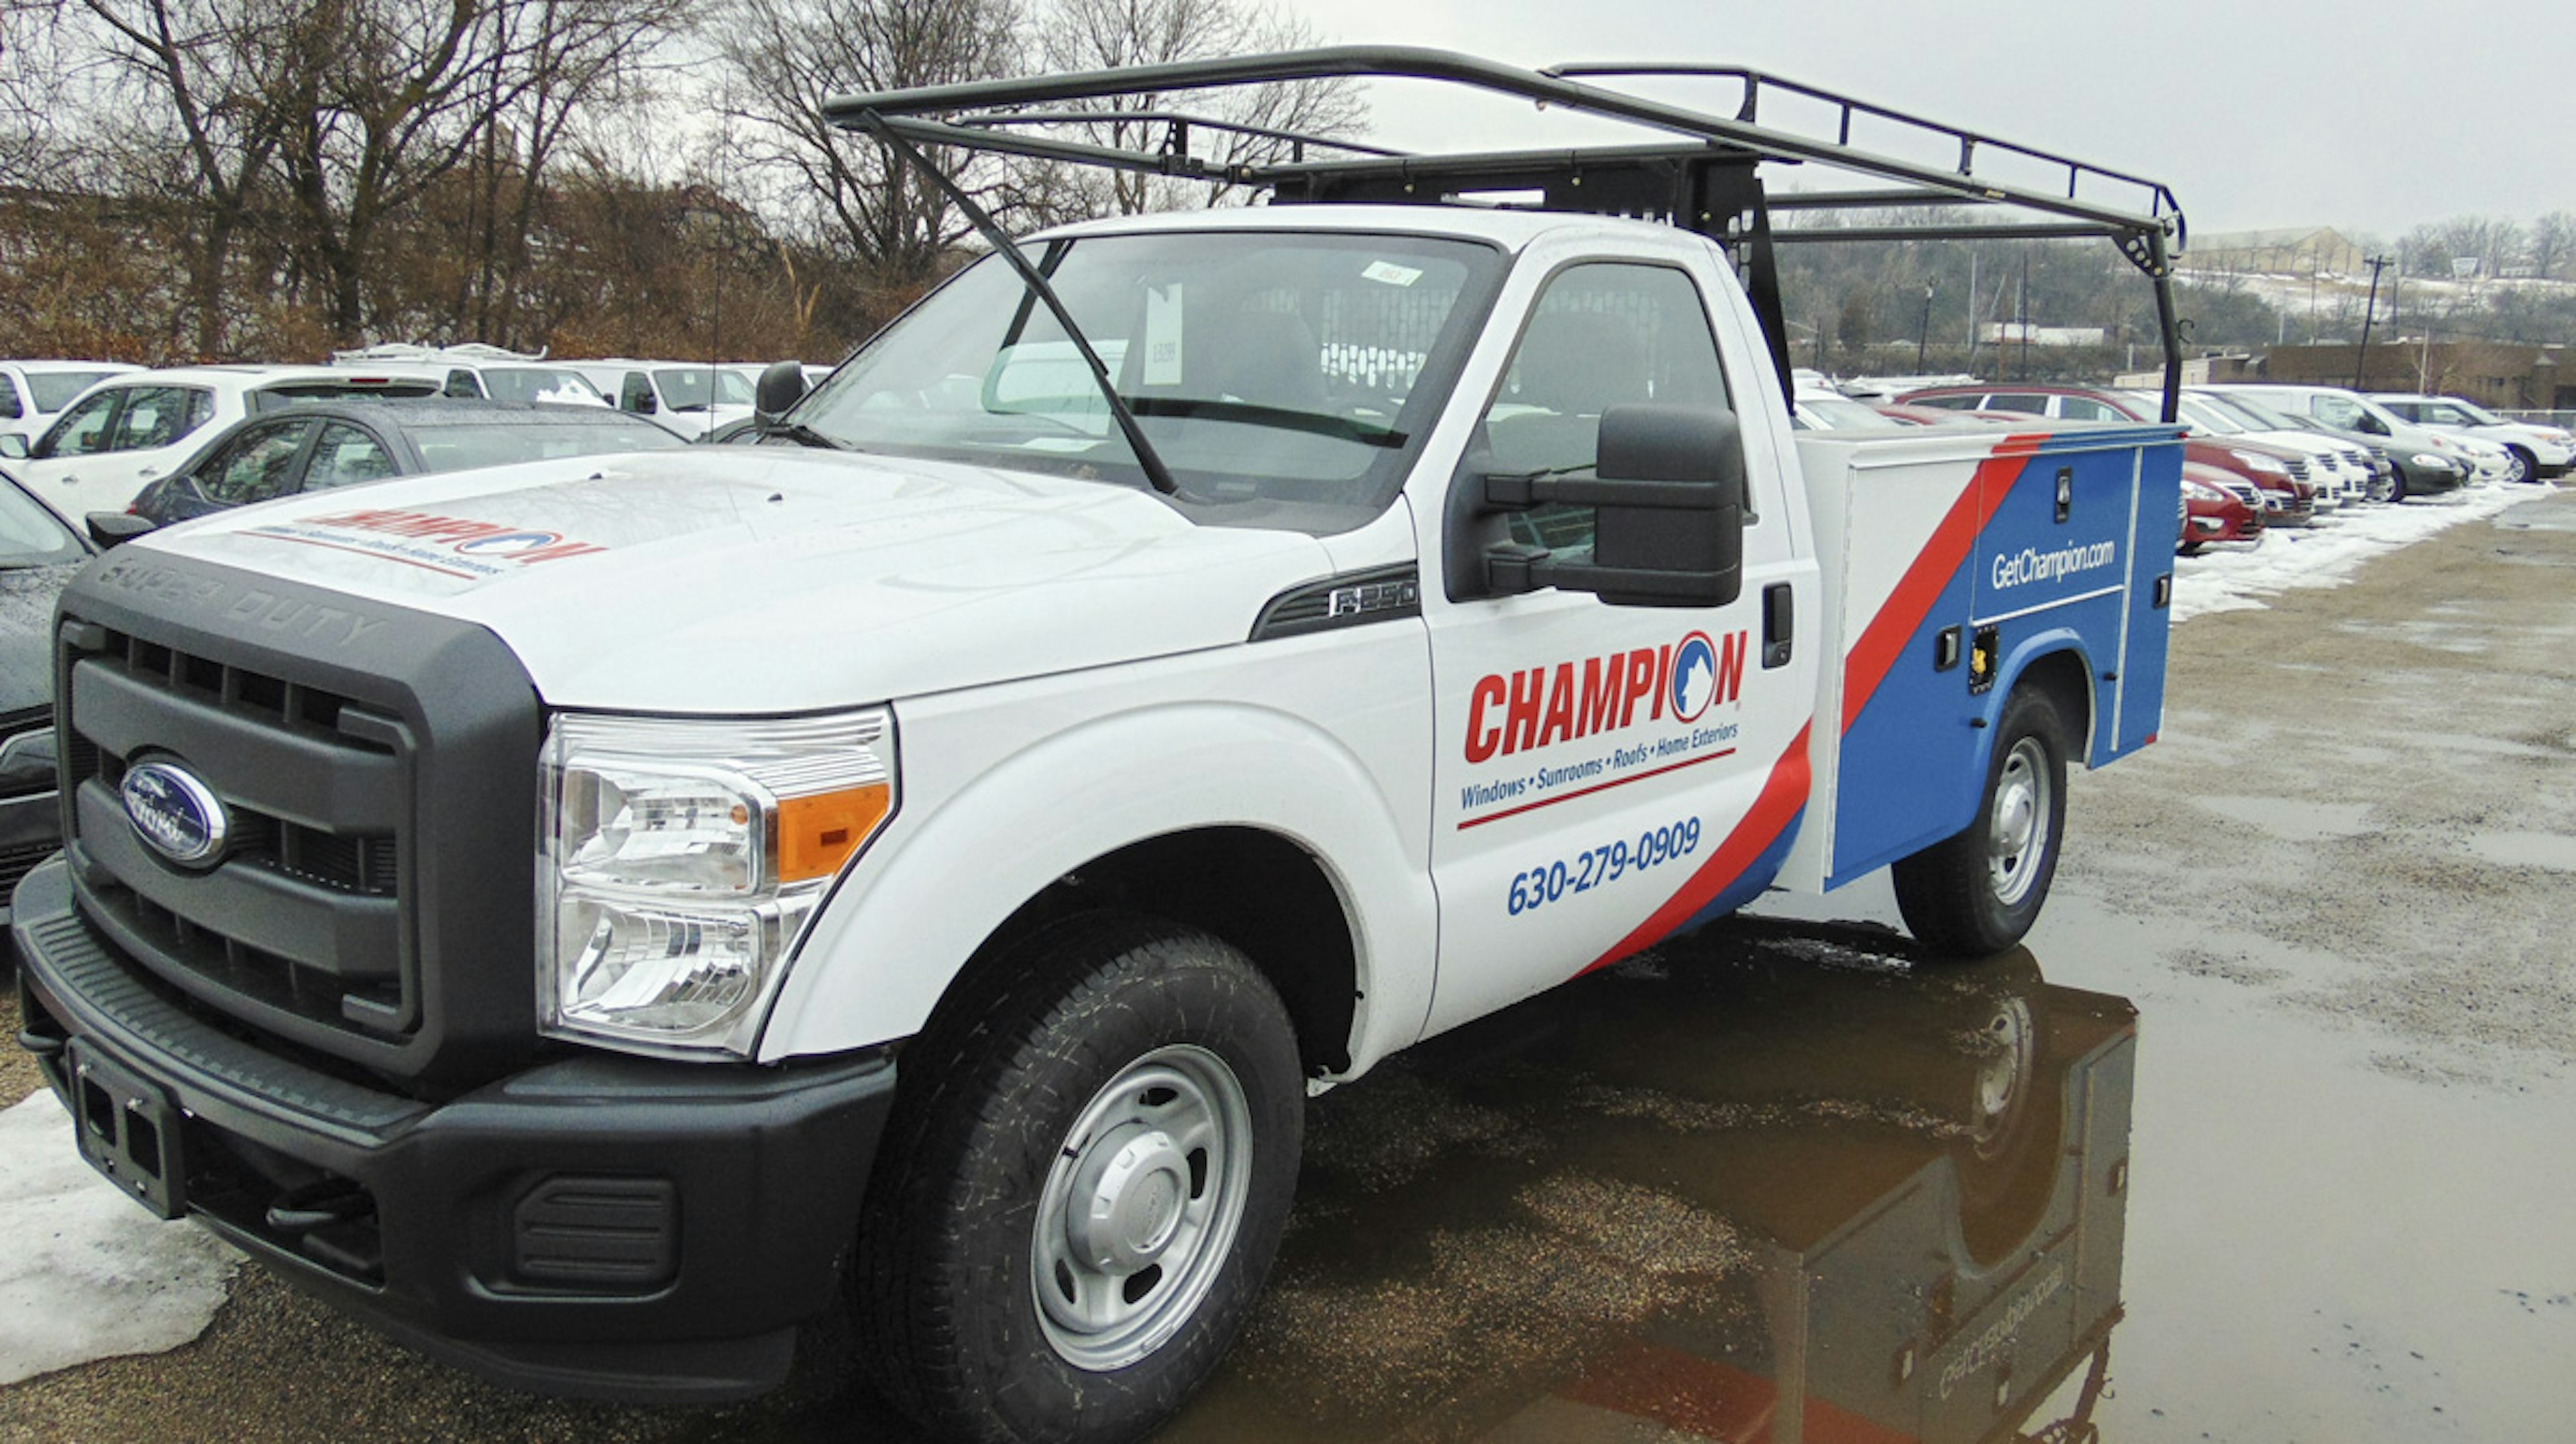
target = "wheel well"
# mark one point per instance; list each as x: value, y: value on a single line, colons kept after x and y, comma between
x: 2062, y: 677
x: 1256, y: 890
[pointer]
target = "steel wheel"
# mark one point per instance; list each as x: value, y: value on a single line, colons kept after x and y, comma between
x: 1141, y: 1207
x: 2018, y: 836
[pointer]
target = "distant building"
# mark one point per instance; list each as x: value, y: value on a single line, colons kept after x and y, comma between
x: 2491, y: 373
x: 2311, y: 251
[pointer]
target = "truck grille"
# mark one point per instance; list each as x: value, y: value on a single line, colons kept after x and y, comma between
x: 373, y: 899
x: 2298, y: 466
x: 303, y: 911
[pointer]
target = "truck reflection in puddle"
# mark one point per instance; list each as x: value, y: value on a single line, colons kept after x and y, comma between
x: 1771, y: 1184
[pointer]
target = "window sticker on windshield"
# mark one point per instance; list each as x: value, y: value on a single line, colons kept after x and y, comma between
x: 1388, y: 273
x: 1163, y: 335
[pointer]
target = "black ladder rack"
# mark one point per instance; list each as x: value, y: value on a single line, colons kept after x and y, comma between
x: 1703, y: 172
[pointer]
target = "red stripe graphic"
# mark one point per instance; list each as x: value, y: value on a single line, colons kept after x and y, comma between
x: 1920, y: 587
x: 1783, y: 794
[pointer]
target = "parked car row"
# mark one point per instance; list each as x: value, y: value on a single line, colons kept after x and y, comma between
x: 2255, y: 456
x: 89, y: 437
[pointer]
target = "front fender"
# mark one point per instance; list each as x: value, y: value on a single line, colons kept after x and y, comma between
x: 944, y: 876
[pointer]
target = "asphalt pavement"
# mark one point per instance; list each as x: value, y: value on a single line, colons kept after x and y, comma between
x: 2264, y: 1135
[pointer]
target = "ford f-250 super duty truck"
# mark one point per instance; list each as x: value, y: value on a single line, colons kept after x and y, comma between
x: 579, y: 916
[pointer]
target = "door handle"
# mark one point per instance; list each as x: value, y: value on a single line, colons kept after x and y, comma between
x: 1779, y: 623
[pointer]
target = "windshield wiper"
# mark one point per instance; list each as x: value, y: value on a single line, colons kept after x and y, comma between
x: 803, y: 435
x: 1030, y: 276
x: 1276, y: 418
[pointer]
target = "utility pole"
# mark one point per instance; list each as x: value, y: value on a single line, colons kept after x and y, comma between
x: 1923, y: 337
x: 2361, y: 360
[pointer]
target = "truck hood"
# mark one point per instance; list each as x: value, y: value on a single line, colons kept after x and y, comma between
x: 763, y: 579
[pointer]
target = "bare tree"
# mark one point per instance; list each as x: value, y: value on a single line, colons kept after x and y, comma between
x: 2552, y: 244
x: 192, y: 114
x: 1117, y: 34
x: 784, y: 57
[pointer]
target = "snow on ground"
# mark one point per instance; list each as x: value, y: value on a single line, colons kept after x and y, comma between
x: 2231, y: 577
x: 87, y: 1273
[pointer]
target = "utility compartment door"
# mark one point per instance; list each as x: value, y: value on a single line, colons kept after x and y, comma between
x: 1965, y: 555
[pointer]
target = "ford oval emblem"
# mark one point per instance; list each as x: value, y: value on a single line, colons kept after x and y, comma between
x: 176, y: 815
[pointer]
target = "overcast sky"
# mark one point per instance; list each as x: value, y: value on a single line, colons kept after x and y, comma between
x: 2366, y: 115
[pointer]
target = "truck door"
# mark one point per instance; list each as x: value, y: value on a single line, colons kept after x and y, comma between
x: 1594, y: 761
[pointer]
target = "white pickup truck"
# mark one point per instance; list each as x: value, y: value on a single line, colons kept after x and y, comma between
x: 579, y: 916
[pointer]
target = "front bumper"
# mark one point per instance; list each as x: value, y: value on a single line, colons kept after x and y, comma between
x: 596, y: 1225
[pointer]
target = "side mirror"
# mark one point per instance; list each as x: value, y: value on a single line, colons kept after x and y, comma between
x: 110, y: 528
x: 1667, y: 493
x: 13, y: 446
x: 782, y: 385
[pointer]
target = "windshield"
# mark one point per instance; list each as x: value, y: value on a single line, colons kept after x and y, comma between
x: 685, y: 388
x: 457, y: 448
x: 30, y: 535
x: 54, y: 390
x: 2199, y: 412
x: 2263, y: 417
x: 1290, y: 369
x: 539, y: 383
x: 2451, y: 411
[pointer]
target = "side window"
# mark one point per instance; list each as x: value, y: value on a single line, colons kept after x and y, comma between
x: 1602, y: 335
x: 345, y: 456
x: 1950, y: 403
x: 2335, y: 411
x: 2034, y: 403
x: 461, y: 383
x: 10, y: 410
x: 254, y: 466
x: 2085, y: 408
x: 636, y: 394
x: 82, y: 431
x: 157, y: 416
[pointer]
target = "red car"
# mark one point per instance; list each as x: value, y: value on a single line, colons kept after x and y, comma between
x: 2279, y: 473
x: 2217, y: 506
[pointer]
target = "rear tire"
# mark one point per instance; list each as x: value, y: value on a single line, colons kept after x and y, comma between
x: 1074, y: 1213
x: 1976, y: 893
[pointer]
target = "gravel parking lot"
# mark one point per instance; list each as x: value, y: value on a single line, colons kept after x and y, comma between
x: 2338, y: 896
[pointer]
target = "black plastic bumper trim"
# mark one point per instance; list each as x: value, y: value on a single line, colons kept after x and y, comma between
x: 765, y: 1168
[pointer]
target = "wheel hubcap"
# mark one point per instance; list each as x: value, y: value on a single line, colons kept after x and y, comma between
x: 2018, y: 836
x: 1141, y: 1207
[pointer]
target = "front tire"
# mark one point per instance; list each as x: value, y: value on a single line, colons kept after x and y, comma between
x: 2521, y: 465
x: 1073, y: 1216
x: 1977, y: 892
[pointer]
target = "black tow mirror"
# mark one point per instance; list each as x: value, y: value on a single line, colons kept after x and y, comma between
x: 110, y: 528
x: 782, y: 385
x: 1667, y: 495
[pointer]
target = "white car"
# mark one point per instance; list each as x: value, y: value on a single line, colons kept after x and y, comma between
x: 687, y: 398
x: 33, y: 393
x: 477, y: 371
x: 2339, y: 472
x: 2538, y: 453
x: 124, y: 432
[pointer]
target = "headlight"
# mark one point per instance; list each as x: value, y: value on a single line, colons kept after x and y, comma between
x: 27, y: 762
x: 682, y: 860
x: 2437, y: 463
x: 2202, y: 491
x: 2257, y: 461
